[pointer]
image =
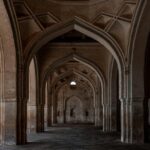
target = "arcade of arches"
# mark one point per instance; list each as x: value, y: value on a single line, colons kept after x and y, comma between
x: 74, y: 63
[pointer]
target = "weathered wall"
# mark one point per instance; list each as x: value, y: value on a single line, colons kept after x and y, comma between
x: 8, y: 80
x: 78, y: 105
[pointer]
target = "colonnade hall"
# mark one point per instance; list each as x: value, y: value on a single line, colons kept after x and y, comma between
x: 74, y: 74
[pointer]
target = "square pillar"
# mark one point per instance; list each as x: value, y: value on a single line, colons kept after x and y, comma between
x: 8, y: 122
x: 137, y: 120
x: 132, y: 120
x: 40, y: 118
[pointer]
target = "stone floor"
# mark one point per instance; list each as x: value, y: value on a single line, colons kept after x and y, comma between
x: 75, y: 138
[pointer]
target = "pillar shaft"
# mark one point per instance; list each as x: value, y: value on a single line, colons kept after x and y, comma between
x: 132, y: 123
x: 21, y: 121
x: 40, y: 118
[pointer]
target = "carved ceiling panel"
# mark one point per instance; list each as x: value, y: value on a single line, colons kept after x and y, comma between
x: 112, y: 16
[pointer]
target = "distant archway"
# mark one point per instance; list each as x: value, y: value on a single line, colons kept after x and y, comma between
x: 101, y: 90
x: 73, y: 110
x: 97, y: 117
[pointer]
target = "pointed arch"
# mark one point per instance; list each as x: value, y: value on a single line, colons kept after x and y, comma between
x: 78, y: 74
x: 82, y: 61
x: 86, y: 28
x: 102, y: 92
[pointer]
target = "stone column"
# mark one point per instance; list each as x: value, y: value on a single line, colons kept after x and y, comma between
x: 132, y: 120
x: 113, y: 104
x: 137, y: 129
x: 54, y: 114
x: 40, y: 118
x: 54, y: 108
x: 8, y: 121
x: 132, y: 113
x: 45, y: 97
x: 126, y: 121
x: 98, y: 116
x: 106, y: 113
x: 22, y: 98
x: 49, y: 103
x: 123, y: 121
x: 97, y: 110
x: 49, y: 116
x: 64, y: 114
x: 126, y: 109
x: 21, y: 121
x: 45, y: 117
x: 113, y: 117
x: 106, y: 121
x: 8, y: 108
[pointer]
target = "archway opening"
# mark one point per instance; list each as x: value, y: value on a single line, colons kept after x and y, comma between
x: 31, y: 104
x: 71, y: 80
x: 74, y: 110
x: 89, y: 49
x: 114, y: 99
x: 78, y: 103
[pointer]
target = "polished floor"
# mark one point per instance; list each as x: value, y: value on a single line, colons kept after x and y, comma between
x: 75, y: 138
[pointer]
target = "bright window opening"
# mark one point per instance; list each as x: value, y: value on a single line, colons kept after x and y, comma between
x: 73, y: 83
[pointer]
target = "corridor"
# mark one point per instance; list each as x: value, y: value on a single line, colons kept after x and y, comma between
x: 74, y: 74
x: 76, y: 138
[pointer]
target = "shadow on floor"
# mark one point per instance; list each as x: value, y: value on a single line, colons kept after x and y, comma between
x: 75, y: 138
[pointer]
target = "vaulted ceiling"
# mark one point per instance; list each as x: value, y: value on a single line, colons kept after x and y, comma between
x: 64, y: 9
x: 114, y: 17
